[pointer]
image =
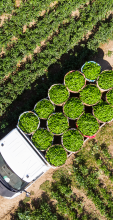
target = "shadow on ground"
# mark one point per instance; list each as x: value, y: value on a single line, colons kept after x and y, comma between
x: 73, y: 60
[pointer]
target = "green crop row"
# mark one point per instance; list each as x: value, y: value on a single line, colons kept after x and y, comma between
x: 24, y: 78
x: 6, y: 6
x: 68, y: 203
x: 44, y: 26
x: 27, y: 42
x: 87, y: 177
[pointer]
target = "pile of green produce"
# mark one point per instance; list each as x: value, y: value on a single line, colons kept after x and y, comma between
x: 109, y: 97
x: 73, y: 108
x: 28, y: 122
x: 56, y: 155
x: 91, y: 70
x: 74, y: 81
x: 42, y: 139
x: 90, y: 95
x: 58, y: 94
x: 105, y: 80
x: 87, y: 124
x: 103, y: 111
x: 44, y: 108
x: 57, y: 123
x: 72, y: 140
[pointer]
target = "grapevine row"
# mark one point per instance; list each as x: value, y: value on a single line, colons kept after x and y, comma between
x: 32, y: 11
x: 88, y: 179
x: 27, y: 44
x: 23, y: 79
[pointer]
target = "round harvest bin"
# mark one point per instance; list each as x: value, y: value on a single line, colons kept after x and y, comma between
x: 103, y: 112
x: 73, y: 108
x: 88, y: 76
x: 88, y: 125
x: 58, y: 94
x: 72, y: 140
x: 90, y: 95
x: 56, y: 155
x: 42, y: 139
x: 105, y: 80
x: 44, y: 108
x: 30, y: 119
x: 57, y: 123
x: 74, y: 80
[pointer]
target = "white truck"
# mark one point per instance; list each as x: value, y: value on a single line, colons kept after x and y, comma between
x: 21, y: 163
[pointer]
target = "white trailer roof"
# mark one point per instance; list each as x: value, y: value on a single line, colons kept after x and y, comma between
x: 20, y: 156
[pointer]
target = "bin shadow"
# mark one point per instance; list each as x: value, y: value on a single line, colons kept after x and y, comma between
x: 72, y: 60
x: 105, y: 65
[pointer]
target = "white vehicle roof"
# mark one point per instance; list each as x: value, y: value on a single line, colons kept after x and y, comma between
x: 20, y: 156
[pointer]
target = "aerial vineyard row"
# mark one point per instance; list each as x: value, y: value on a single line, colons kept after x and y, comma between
x: 53, y: 51
x: 26, y: 14
x: 26, y: 44
x: 88, y: 178
x: 6, y: 6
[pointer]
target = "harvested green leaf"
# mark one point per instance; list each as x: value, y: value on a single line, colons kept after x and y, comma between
x: 109, y: 97
x: 91, y: 70
x: 74, y: 81
x: 28, y: 122
x: 72, y: 140
x: 105, y: 80
x: 57, y: 123
x: 103, y: 111
x: 42, y: 139
x: 73, y: 108
x: 56, y: 155
x: 44, y: 108
x: 58, y: 94
x: 87, y: 124
x: 90, y: 95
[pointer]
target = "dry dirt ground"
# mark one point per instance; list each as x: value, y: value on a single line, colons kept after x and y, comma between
x: 105, y: 59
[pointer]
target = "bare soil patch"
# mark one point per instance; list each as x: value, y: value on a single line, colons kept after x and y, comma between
x: 3, y: 17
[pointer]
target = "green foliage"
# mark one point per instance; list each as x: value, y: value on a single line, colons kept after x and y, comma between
x: 27, y: 199
x: 44, y: 108
x: 58, y: 174
x: 103, y: 111
x: 6, y: 6
x: 89, y: 181
x: 57, y: 123
x: 56, y: 155
x: 71, y: 32
x: 58, y: 94
x: 73, y: 108
x: 90, y: 95
x: 44, y: 211
x: 110, y: 53
x: 87, y: 124
x: 72, y: 140
x: 105, y: 80
x: 28, y: 122
x: 42, y: 139
x: 109, y: 97
x: 74, y: 81
x: 91, y: 70
x: 45, y: 186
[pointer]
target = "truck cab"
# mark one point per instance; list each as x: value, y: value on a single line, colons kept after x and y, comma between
x: 21, y: 163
